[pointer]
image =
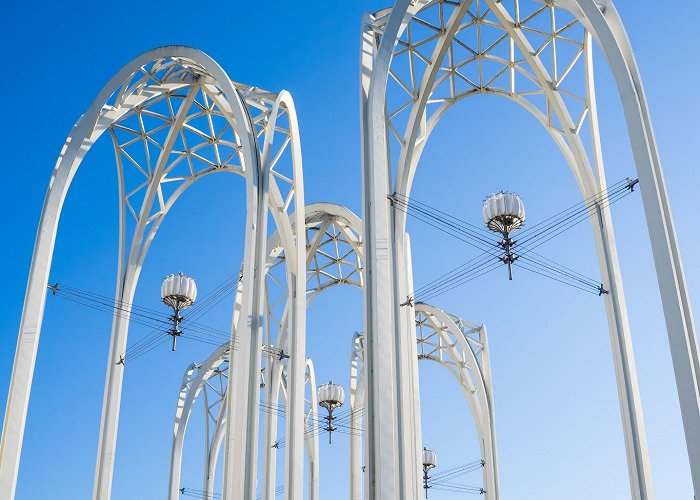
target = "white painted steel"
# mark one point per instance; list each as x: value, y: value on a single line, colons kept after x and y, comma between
x: 430, y: 75
x: 331, y: 230
x: 185, y: 76
x: 460, y: 347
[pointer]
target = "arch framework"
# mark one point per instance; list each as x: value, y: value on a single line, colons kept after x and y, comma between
x: 334, y: 257
x: 418, y: 59
x: 174, y: 116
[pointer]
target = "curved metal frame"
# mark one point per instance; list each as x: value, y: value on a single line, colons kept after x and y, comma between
x: 334, y: 257
x: 460, y: 347
x: 156, y: 103
x: 433, y: 67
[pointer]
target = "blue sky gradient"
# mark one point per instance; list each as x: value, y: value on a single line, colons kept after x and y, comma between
x: 558, y: 421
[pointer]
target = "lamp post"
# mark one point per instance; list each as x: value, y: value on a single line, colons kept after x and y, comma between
x: 429, y: 462
x: 179, y: 292
x: 504, y: 212
x: 330, y: 397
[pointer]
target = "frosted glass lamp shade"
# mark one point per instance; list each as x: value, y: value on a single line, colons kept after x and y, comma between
x: 331, y: 396
x: 178, y: 291
x: 429, y: 459
x: 504, y: 212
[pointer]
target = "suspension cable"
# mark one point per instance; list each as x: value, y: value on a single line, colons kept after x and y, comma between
x: 530, y: 239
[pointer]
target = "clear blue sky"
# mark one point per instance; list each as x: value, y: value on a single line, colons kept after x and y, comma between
x: 558, y: 424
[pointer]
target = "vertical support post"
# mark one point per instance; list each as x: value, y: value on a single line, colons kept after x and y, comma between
x: 295, y: 383
x: 241, y: 448
x: 28, y: 340
x: 623, y: 358
x: 408, y: 377
x: 357, y: 401
x: 383, y: 465
x: 639, y: 466
x: 270, y: 438
x: 76, y: 146
x: 610, y: 34
x: 491, y: 484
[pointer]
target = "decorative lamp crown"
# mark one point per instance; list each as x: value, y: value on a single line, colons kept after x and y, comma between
x: 429, y: 459
x: 504, y: 212
x: 331, y: 396
x: 178, y: 291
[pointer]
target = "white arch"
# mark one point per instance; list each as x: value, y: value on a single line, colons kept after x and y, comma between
x: 327, y: 225
x: 158, y: 76
x: 381, y: 36
x: 458, y: 344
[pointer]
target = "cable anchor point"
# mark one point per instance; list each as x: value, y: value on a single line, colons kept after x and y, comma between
x: 54, y: 288
x: 409, y: 301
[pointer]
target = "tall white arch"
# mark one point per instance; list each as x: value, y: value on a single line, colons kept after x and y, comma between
x: 532, y: 73
x: 190, y: 120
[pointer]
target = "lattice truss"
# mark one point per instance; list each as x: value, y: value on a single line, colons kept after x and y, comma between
x: 456, y: 344
x: 334, y: 257
x: 532, y: 52
x: 462, y: 348
x: 438, y: 342
x: 171, y: 125
x: 441, y: 337
x: 334, y: 250
x: 208, y: 381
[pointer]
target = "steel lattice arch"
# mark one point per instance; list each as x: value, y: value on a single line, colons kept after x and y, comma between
x: 173, y: 116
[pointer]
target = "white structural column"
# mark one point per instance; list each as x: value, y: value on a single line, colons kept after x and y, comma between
x: 357, y: 402
x: 269, y: 472
x: 410, y: 436
x: 331, y: 230
x: 461, y: 348
x: 295, y: 257
x: 280, y: 189
x: 311, y: 423
x: 606, y: 26
x: 383, y: 464
x: 639, y: 466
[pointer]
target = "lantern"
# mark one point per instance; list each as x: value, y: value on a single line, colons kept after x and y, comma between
x: 504, y: 212
x: 429, y: 462
x: 179, y: 292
